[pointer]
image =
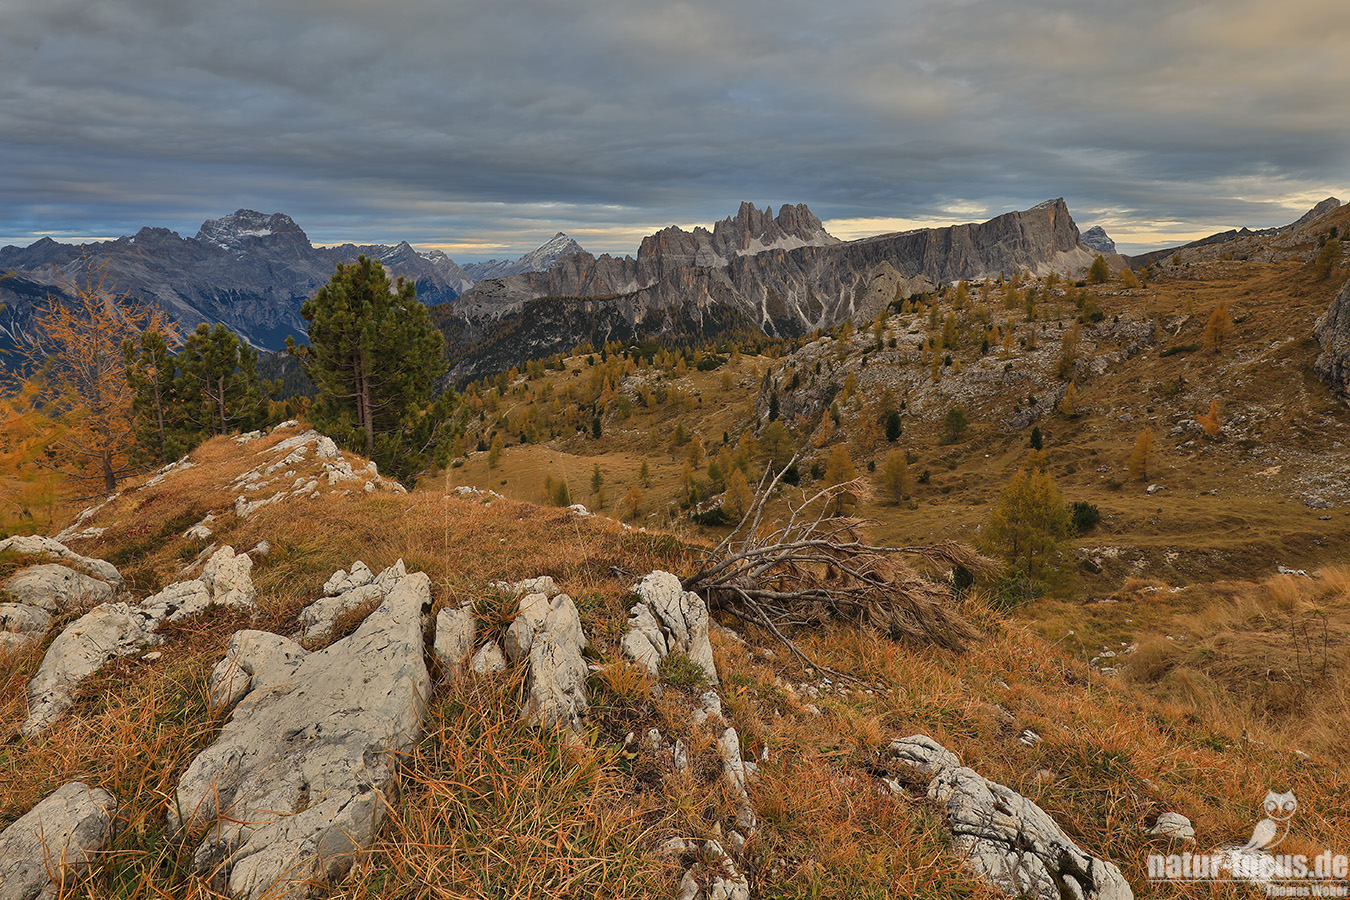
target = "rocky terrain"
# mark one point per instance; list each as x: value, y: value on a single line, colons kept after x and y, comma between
x: 303, y: 714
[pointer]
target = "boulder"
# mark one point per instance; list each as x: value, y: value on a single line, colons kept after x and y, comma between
x: 56, y: 588
x: 549, y: 635
x: 296, y: 785
x: 489, y: 660
x: 344, y: 592
x: 454, y: 637
x: 36, y: 545
x: 668, y: 619
x: 102, y: 634
x: 1174, y: 826
x: 536, y: 614
x: 54, y: 842
x: 228, y: 577
x: 712, y: 875
x: 1009, y: 841
x: 19, y: 618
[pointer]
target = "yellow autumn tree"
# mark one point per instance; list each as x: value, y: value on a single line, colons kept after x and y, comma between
x: 1211, y: 422
x: 1217, y: 329
x: 29, y: 490
x: 838, y: 470
x: 1142, y: 455
x: 79, y: 375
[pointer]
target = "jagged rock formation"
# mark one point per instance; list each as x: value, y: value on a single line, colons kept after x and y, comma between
x: 44, y: 590
x: 668, y: 619
x: 248, y: 270
x: 1333, y: 335
x: 297, y: 783
x: 1009, y: 841
x: 344, y: 592
x: 54, y: 842
x: 753, y: 272
x: 1097, y: 239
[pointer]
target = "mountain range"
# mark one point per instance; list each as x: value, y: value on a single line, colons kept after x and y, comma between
x: 754, y: 272
x: 248, y: 270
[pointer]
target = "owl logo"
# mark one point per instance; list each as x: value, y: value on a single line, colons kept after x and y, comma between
x: 1279, y: 810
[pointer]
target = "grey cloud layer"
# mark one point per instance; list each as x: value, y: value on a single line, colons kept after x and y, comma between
x: 476, y: 121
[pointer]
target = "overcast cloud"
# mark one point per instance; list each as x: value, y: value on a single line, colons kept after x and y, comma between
x: 482, y: 127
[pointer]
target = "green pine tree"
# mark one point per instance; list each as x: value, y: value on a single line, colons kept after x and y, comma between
x: 374, y: 356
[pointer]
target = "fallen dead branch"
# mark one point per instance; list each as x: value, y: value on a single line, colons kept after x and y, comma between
x: 816, y: 567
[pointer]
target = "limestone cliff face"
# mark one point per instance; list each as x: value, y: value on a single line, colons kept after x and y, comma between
x: 1333, y: 334
x: 779, y: 274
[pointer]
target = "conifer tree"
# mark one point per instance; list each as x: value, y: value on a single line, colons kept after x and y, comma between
x: 79, y: 379
x: 839, y: 469
x: 151, y: 371
x: 1099, y: 272
x: 895, y: 476
x: 218, y: 382
x: 1217, y: 329
x: 1028, y: 521
x: 374, y: 356
x: 1142, y: 455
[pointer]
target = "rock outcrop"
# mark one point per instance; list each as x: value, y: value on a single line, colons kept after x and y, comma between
x: 36, y: 545
x: 1096, y: 239
x: 668, y: 619
x: 1333, y: 335
x: 112, y: 630
x: 296, y: 786
x: 54, y: 842
x: 1009, y: 841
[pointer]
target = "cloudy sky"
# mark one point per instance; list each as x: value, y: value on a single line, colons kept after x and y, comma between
x: 483, y: 126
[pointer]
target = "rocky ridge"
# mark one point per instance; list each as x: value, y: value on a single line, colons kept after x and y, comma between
x: 776, y: 275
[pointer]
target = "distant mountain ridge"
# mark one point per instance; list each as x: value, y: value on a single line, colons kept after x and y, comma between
x: 778, y: 275
x: 1245, y: 243
x: 248, y: 270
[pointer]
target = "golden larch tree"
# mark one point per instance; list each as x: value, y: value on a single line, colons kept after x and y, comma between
x: 79, y: 374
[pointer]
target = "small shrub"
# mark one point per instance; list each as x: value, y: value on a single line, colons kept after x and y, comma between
x: 1084, y: 516
x: 679, y: 671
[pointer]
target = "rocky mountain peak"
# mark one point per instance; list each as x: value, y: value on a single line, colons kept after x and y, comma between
x: 1097, y: 239
x: 233, y: 232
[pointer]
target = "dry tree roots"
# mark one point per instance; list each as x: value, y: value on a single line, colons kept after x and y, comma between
x: 815, y: 567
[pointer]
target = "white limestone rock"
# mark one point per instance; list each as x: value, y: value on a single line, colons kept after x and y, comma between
x: 454, y: 637
x: 713, y: 866
x: 542, y: 584
x: 56, y: 588
x: 177, y: 601
x: 296, y: 786
x: 1174, y: 826
x: 358, y: 588
x: 228, y: 576
x: 54, y: 842
x: 102, y: 634
x: 556, y: 686
x: 668, y: 619
x: 921, y: 752
x: 1009, y: 841
x: 341, y: 581
x: 36, y: 545
x: 489, y: 660
x: 536, y: 614
x: 253, y: 659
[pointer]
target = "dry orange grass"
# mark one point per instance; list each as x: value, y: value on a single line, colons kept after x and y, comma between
x: 490, y: 808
